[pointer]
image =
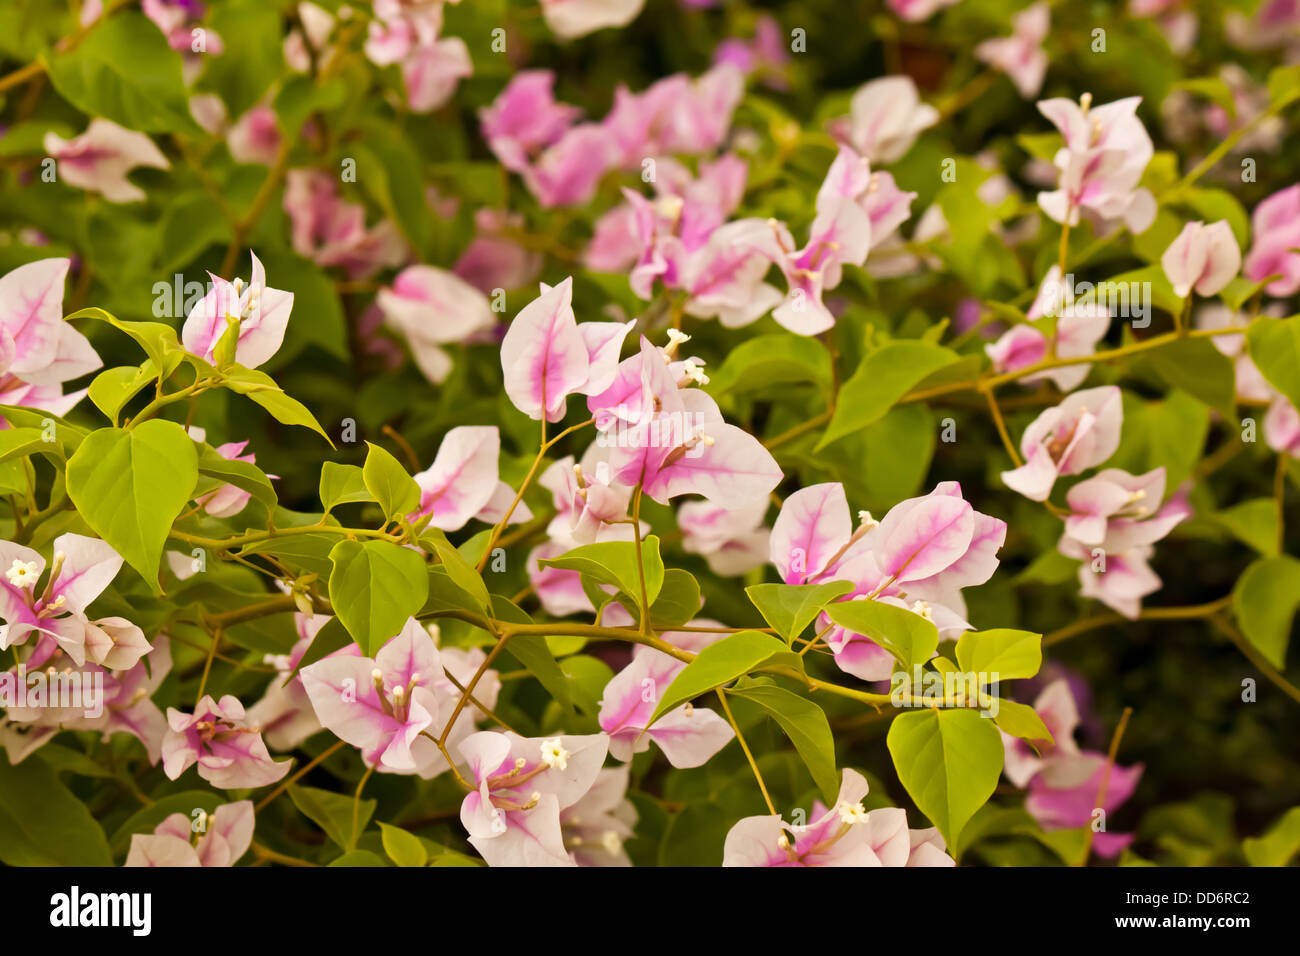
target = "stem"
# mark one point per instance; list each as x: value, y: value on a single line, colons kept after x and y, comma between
x: 528, y: 478
x: 207, y: 665
x: 981, y: 382
x: 1189, y: 612
x: 356, y: 809
x: 1002, y: 427
x: 1105, y: 780
x: 1255, y: 657
x: 290, y: 781
x: 272, y: 856
x: 753, y: 764
x: 640, y: 563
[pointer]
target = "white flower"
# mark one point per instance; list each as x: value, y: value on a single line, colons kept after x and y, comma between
x: 852, y: 813
x: 554, y: 755
x: 23, y: 574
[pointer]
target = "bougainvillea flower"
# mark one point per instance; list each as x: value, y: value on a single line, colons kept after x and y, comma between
x: 39, y: 348
x: 123, y: 706
x: 568, y: 172
x: 1106, y: 150
x: 675, y: 115
x: 285, y: 713
x: 595, y: 828
x: 1077, y: 434
x: 1115, y: 501
x: 399, y: 27
x: 100, y: 158
x: 462, y: 481
x: 586, y: 503
x: 432, y: 72
x: 687, y: 735
x: 178, y: 19
x: 1021, y: 55
x: 1205, y: 258
x: 382, y: 705
x: 524, y: 119
x: 1282, y: 427
x: 919, y: 557
x: 115, y: 643
x: 547, y: 356
x: 222, y: 838
x: 493, y: 260
x: 523, y: 784
x: 885, y: 118
x: 767, y: 54
x: 683, y: 445
x: 843, y: 835
x: 262, y: 314
x: 569, y: 19
x: 1275, y: 230
x: 1079, y: 327
x: 1063, y: 780
x: 1115, y: 570
x: 732, y: 540
x: 936, y: 541
x: 332, y: 232
x: 228, y: 500
x: 856, y: 209
x: 914, y: 11
x: 230, y: 753
x: 432, y: 307
x: 255, y: 137
x: 82, y: 568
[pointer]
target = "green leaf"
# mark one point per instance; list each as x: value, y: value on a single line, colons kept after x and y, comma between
x: 356, y: 858
x: 807, y: 727
x: 342, y: 485
x: 333, y: 812
x: 722, y: 662
x: 614, y: 563
x: 767, y: 360
x: 1162, y: 291
x: 114, y: 387
x: 403, y: 848
x: 330, y: 638
x: 131, y: 485
x: 789, y: 608
x: 1239, y: 291
x: 884, y: 376
x: 949, y: 762
x: 462, y: 573
x: 262, y: 389
x: 126, y: 71
x: 374, y: 587
x: 158, y: 340
x: 678, y: 601
x: 242, y: 474
x: 389, y: 484
x: 1274, y: 346
x: 1252, y: 522
x: 1265, y: 601
x: 43, y: 824
x: 244, y: 79
x: 22, y: 442
x: 1198, y: 368
x: 1279, y: 845
x: 1211, y: 205
x: 1008, y: 654
x: 908, y: 636
x: 1021, y: 720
